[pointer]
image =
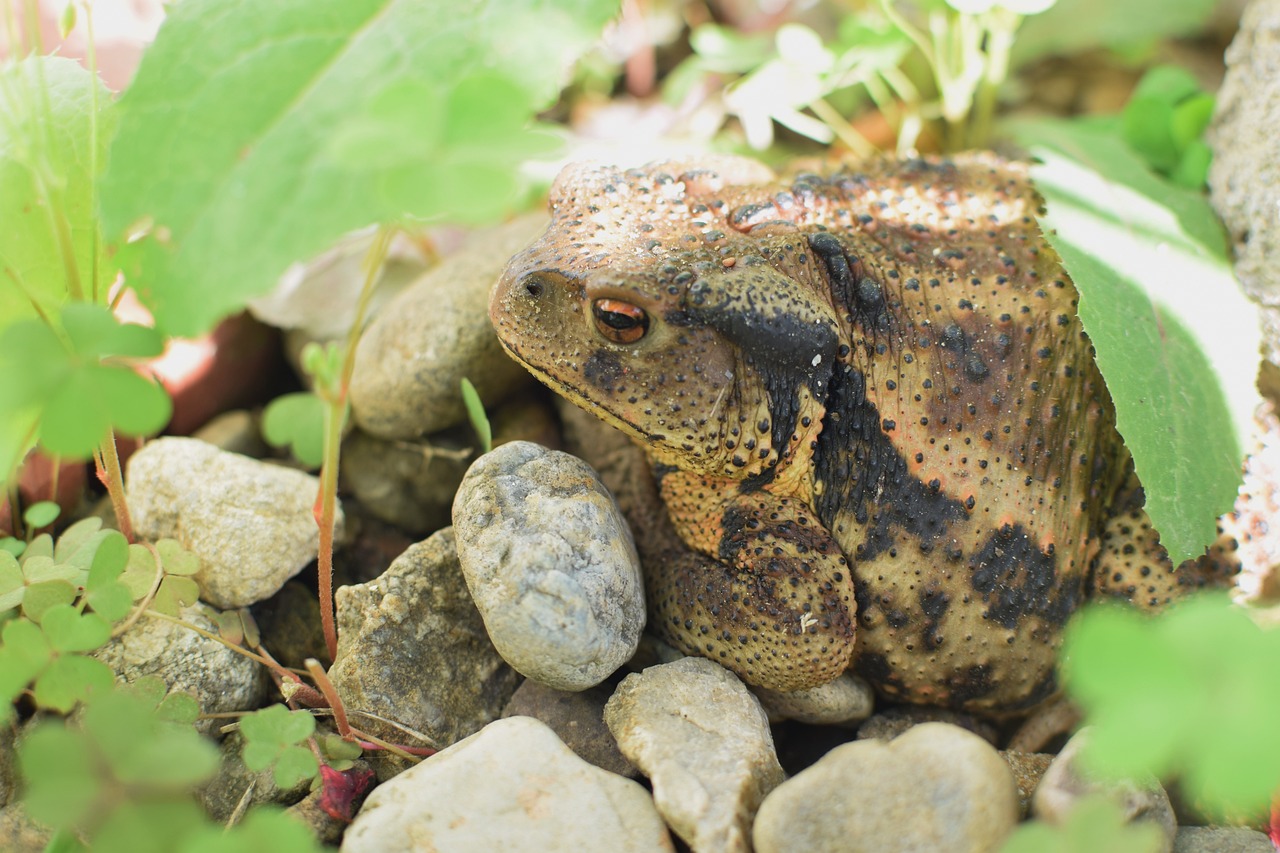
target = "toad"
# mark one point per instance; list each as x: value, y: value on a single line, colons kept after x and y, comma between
x: 870, y: 410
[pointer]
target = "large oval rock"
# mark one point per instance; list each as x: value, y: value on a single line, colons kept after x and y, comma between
x: 512, y: 787
x: 550, y: 563
x: 250, y: 523
x: 937, y: 787
x: 704, y: 742
x: 415, y: 353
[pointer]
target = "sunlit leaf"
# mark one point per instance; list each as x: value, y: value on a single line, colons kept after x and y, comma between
x: 1147, y: 258
x: 245, y: 132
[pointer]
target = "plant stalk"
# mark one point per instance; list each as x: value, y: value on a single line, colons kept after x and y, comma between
x: 111, y: 476
x: 335, y: 419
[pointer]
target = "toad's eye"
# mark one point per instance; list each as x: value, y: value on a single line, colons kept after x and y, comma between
x: 620, y: 322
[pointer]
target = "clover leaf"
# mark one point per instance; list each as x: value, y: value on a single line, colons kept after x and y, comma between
x: 296, y: 421
x: 1094, y: 825
x: 1126, y: 670
x: 78, y: 382
x: 271, y: 737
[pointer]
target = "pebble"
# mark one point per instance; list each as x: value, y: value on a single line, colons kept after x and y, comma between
x: 577, y: 717
x: 412, y: 647
x: 409, y: 484
x: 846, y: 701
x: 1064, y: 784
x: 1221, y: 839
x: 8, y: 764
x: 1028, y: 769
x: 222, y: 795
x: 221, y: 679
x: 512, y: 787
x: 937, y: 787
x: 414, y: 354
x: 249, y: 522
x: 236, y: 431
x: 551, y: 565
x: 704, y: 742
x: 900, y: 719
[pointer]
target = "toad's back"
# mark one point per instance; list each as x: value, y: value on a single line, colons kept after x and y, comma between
x: 858, y: 388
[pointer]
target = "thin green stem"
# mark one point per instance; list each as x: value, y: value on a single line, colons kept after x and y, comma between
x: 909, y: 29
x: 856, y: 142
x: 91, y: 56
x: 325, y: 686
x: 335, y: 419
x: 113, y: 479
x: 1001, y: 27
x: 36, y: 44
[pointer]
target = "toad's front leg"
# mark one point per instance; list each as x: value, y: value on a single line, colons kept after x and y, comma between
x: 761, y: 587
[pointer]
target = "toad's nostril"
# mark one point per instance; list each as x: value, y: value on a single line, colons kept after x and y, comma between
x: 533, y: 286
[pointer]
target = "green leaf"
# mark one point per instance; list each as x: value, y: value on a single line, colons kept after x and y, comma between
x: 1094, y: 825
x: 294, y: 764
x: 1146, y: 257
x: 337, y: 748
x: 96, y: 334
x: 1191, y: 116
x: 265, y: 829
x: 111, y: 601
x: 1074, y: 26
x: 40, y: 597
x: 41, y: 514
x: 41, y: 546
x: 61, y: 780
x: 155, y: 825
x: 179, y: 707
x: 12, y: 585
x: 75, y: 536
x: 296, y: 421
x: 1199, y: 669
x: 47, y: 171
x: 23, y: 654
x: 39, y: 569
x: 475, y: 412
x: 68, y: 630
x: 104, y: 548
x: 140, y: 572
x: 1148, y: 128
x: 224, y: 146
x: 174, y: 594
x: 76, y: 396
x: 277, y: 725
x: 106, y: 594
x: 269, y: 738
x: 141, y: 749
x: 172, y: 756
x: 70, y: 679
x: 176, y: 559
x: 149, y: 688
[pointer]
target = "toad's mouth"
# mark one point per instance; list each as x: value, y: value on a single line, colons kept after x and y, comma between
x: 578, y: 398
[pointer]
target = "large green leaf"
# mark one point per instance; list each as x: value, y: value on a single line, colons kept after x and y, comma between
x: 1177, y: 341
x: 55, y: 121
x: 1072, y: 26
x: 256, y: 133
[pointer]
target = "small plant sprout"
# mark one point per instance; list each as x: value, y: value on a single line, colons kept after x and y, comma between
x: 271, y: 739
x: 475, y: 412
